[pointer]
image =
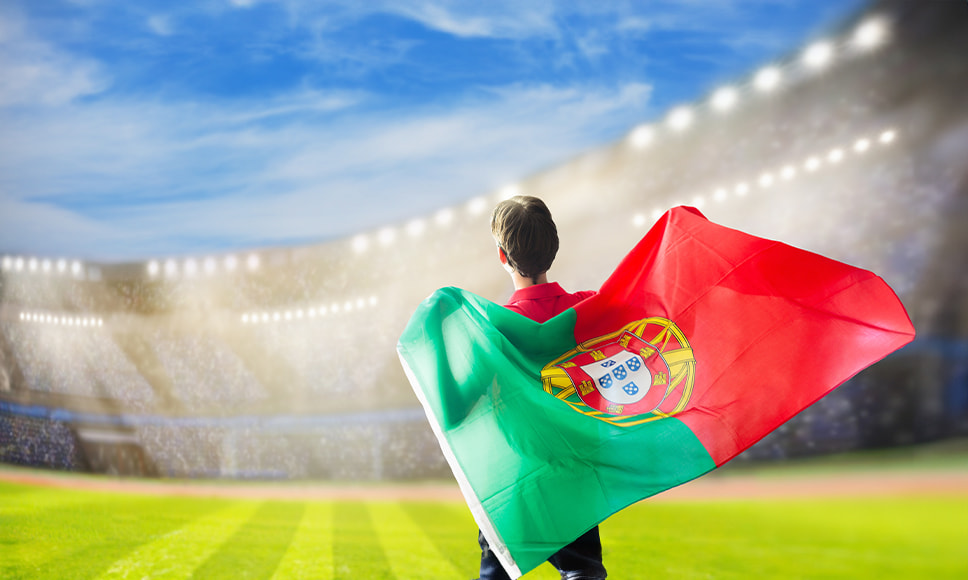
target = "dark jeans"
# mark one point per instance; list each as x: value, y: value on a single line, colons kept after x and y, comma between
x: 579, y: 560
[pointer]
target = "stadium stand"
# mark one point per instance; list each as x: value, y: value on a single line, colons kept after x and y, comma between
x: 280, y: 363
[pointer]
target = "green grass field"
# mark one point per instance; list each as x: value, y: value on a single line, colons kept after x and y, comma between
x: 56, y: 533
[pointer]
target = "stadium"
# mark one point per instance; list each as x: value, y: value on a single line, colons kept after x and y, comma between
x: 130, y: 390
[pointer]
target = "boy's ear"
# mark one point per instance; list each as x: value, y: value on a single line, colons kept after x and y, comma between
x: 501, y: 255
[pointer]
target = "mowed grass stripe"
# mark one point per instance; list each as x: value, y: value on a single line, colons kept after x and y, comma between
x: 412, y: 555
x: 452, y: 530
x: 79, y: 534
x: 178, y: 553
x: 911, y: 537
x: 310, y: 553
x: 255, y: 549
x: 357, y: 553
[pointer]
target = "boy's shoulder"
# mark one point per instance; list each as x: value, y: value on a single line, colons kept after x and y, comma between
x: 543, y: 301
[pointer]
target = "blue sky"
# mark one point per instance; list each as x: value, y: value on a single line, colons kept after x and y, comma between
x: 132, y: 130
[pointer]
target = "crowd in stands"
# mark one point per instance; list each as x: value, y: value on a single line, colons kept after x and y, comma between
x: 38, y: 442
x: 374, y: 450
x: 205, y: 372
x: 76, y: 361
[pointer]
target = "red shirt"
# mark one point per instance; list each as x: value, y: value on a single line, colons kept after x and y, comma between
x: 544, y: 301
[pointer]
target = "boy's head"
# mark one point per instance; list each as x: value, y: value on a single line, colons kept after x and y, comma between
x: 526, y: 234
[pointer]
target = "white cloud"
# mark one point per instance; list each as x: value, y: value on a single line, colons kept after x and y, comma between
x: 160, y: 25
x: 35, y: 71
x: 131, y: 180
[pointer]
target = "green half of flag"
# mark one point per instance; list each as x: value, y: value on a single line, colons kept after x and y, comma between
x: 535, y: 473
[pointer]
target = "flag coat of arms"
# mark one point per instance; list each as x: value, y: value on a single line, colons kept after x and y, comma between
x: 702, y: 341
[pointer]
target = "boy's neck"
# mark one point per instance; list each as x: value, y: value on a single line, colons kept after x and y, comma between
x: 520, y: 282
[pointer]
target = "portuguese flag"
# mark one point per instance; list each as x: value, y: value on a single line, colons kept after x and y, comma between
x: 702, y: 341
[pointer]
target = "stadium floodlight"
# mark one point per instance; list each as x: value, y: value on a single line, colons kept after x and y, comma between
x: 656, y: 214
x: 245, y: 319
x: 372, y: 300
x: 642, y: 137
x: 725, y: 98
x: 835, y: 155
x: 386, y: 236
x: 788, y: 173
x: 360, y: 303
x: 7, y: 263
x: 698, y: 202
x: 862, y: 145
x: 312, y: 313
x: 276, y: 316
x: 818, y: 54
x: 61, y: 266
x: 171, y: 268
x: 509, y: 191
x: 334, y: 308
x: 252, y: 262
x: 720, y: 194
x: 416, y: 227
x: 76, y: 268
x: 32, y: 264
x: 680, y: 118
x: 299, y: 314
x: 265, y: 317
x: 887, y: 137
x: 45, y: 266
x: 347, y: 306
x: 50, y: 319
x: 231, y: 263
x: 153, y: 268
x: 191, y: 267
x: 288, y: 314
x: 871, y: 33
x: 476, y: 206
x: 444, y: 217
x: 209, y: 266
x: 100, y: 322
x: 812, y: 164
x: 18, y: 264
x: 638, y: 220
x: 360, y: 244
x: 23, y: 316
x: 767, y: 79
x: 766, y: 180
x: 322, y: 311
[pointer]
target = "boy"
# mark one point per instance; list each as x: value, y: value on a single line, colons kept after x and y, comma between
x: 527, y: 242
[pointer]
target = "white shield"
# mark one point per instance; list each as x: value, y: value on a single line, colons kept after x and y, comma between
x: 622, y: 378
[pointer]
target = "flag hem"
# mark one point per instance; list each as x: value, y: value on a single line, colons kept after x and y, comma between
x: 477, y: 509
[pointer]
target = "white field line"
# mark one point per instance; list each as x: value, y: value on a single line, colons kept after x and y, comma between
x: 178, y: 553
x: 409, y: 551
x: 310, y: 554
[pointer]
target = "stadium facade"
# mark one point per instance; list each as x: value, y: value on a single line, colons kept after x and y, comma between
x: 280, y: 362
